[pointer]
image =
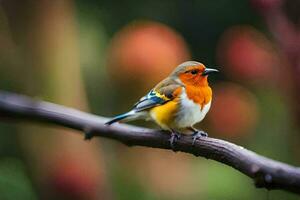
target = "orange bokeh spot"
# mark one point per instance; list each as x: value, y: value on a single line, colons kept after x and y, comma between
x: 146, y: 52
x: 247, y: 54
x: 234, y: 110
x: 73, y: 180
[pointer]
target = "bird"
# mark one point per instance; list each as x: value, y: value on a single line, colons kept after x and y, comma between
x: 176, y: 103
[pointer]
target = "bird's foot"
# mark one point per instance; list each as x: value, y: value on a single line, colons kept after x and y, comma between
x: 198, y: 134
x: 173, y: 139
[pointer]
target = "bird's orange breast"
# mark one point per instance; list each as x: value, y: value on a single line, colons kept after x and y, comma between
x: 201, y: 95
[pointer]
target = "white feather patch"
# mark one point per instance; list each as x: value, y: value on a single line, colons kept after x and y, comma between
x: 190, y: 112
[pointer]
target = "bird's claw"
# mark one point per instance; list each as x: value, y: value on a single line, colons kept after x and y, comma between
x: 197, y: 135
x: 173, y: 139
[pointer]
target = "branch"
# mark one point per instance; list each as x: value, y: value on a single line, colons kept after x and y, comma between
x: 287, y: 35
x: 265, y: 172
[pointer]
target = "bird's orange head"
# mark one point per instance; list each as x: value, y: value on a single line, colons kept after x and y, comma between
x: 194, y: 77
x: 192, y: 73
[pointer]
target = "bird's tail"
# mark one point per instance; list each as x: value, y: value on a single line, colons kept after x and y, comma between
x: 122, y: 117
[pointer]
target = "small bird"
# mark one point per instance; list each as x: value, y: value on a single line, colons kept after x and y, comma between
x: 177, y: 103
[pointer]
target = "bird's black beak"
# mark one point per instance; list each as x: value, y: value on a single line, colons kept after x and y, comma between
x: 208, y: 71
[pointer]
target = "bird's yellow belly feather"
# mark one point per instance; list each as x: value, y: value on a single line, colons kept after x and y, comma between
x: 164, y: 115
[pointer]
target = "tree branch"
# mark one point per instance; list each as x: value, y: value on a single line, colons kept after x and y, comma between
x: 265, y: 172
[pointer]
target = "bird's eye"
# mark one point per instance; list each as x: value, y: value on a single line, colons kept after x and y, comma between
x: 194, y: 71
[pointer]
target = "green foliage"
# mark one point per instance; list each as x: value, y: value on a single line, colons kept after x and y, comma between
x: 14, y: 181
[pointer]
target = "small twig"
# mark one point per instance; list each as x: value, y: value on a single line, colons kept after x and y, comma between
x: 265, y: 172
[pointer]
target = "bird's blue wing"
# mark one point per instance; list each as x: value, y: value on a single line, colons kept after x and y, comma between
x: 165, y: 91
x: 152, y: 99
x: 162, y: 93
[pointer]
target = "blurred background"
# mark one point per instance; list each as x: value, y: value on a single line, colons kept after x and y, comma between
x: 101, y: 56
